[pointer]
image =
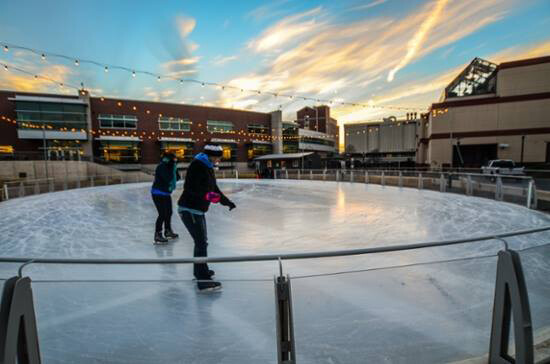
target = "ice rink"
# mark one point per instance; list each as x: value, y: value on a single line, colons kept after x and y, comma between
x: 422, y: 312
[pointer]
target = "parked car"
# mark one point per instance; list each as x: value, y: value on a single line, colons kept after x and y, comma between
x: 504, y: 167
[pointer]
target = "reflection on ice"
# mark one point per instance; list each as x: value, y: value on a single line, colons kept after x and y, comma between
x: 141, y: 314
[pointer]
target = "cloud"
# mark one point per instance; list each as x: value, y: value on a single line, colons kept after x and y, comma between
x: 272, y: 9
x: 420, y: 36
x: 368, y: 6
x: 289, y: 29
x: 220, y: 61
x: 185, y: 25
x: 355, y: 57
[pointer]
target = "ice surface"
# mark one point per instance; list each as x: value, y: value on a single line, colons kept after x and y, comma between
x: 429, y: 313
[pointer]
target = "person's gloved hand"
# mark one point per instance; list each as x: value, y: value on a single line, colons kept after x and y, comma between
x: 212, y: 197
x: 231, y: 205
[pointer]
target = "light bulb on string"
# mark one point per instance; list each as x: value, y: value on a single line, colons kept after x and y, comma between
x: 43, y: 56
x: 6, y: 67
x: 106, y: 69
x: 6, y: 49
x: 133, y: 73
x: 158, y: 78
x: 76, y: 63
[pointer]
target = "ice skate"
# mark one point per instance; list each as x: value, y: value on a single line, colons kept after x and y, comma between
x: 207, y: 286
x: 170, y: 235
x: 159, y: 239
x: 211, y: 274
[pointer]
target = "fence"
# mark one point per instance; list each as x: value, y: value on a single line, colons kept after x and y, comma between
x: 511, y: 312
x: 30, y: 187
x: 516, y: 189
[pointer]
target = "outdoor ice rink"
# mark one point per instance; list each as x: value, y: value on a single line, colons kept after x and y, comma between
x: 434, y: 313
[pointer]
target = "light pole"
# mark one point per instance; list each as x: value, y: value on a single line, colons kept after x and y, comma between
x: 44, y: 146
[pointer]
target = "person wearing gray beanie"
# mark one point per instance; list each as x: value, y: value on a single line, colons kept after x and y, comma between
x: 199, y: 191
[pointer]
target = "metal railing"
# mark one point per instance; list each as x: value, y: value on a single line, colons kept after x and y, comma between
x: 518, y: 189
x: 510, y: 296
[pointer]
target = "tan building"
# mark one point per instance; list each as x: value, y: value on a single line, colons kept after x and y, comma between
x: 488, y: 112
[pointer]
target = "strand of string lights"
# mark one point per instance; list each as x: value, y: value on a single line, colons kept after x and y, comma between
x: 134, y: 72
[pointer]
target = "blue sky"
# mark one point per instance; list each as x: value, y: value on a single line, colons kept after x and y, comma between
x: 378, y: 52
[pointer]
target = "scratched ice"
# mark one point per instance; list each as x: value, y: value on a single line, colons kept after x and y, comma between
x: 422, y: 313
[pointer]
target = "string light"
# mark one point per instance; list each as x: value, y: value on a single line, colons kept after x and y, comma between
x: 43, y: 56
x: 6, y: 67
x: 133, y: 73
x: 6, y: 49
x: 106, y: 69
x: 76, y: 63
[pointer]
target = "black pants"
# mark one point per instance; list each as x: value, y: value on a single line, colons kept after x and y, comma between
x: 196, y: 225
x: 164, y: 208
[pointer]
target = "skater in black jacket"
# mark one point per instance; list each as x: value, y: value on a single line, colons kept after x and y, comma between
x: 199, y: 190
x: 166, y: 176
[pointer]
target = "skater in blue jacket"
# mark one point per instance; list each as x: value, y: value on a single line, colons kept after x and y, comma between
x: 199, y: 191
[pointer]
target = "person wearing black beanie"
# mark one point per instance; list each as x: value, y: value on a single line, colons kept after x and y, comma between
x: 166, y: 176
x: 199, y: 191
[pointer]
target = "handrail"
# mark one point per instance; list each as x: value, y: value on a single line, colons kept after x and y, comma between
x: 277, y: 257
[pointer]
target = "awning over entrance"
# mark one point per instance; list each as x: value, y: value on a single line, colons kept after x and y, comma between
x: 282, y: 156
x: 176, y: 140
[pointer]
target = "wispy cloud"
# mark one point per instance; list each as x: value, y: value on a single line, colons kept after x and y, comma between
x: 220, y: 61
x: 181, y: 49
x: 292, y: 28
x: 352, y: 57
x: 419, y: 37
x: 271, y: 10
x: 368, y: 6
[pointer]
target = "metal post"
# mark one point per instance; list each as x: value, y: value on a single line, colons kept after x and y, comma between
x: 298, y: 174
x: 92, y: 181
x: 36, y: 188
x: 442, y: 183
x: 51, y: 186
x: 236, y: 174
x: 400, y: 179
x: 6, y: 191
x: 420, y: 181
x: 286, y: 352
x: 121, y: 179
x: 511, y: 300
x: 78, y: 171
x: 498, y: 189
x: 311, y: 175
x: 106, y: 179
x: 366, y: 176
x: 223, y: 174
x: 351, y: 176
x: 18, y: 329
x: 469, y: 186
x: 324, y: 175
x: 286, y: 173
x: 21, y: 189
x: 382, y: 179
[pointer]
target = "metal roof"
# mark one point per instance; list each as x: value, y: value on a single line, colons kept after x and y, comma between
x: 283, y: 156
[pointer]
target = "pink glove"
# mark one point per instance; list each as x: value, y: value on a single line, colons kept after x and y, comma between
x: 212, y: 197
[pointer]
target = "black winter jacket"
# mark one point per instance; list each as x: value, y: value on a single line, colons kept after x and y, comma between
x: 198, y: 182
x: 164, y: 175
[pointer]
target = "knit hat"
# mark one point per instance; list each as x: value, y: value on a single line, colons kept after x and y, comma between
x: 213, y: 150
x: 168, y: 157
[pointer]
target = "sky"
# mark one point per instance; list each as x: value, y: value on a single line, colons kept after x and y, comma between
x: 381, y: 53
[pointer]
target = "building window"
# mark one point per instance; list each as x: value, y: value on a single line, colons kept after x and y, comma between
x: 256, y: 150
x: 51, y: 116
x: 183, y: 151
x: 120, y: 151
x: 174, y: 124
x: 213, y: 126
x: 110, y: 121
x: 258, y: 129
x: 6, y: 149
